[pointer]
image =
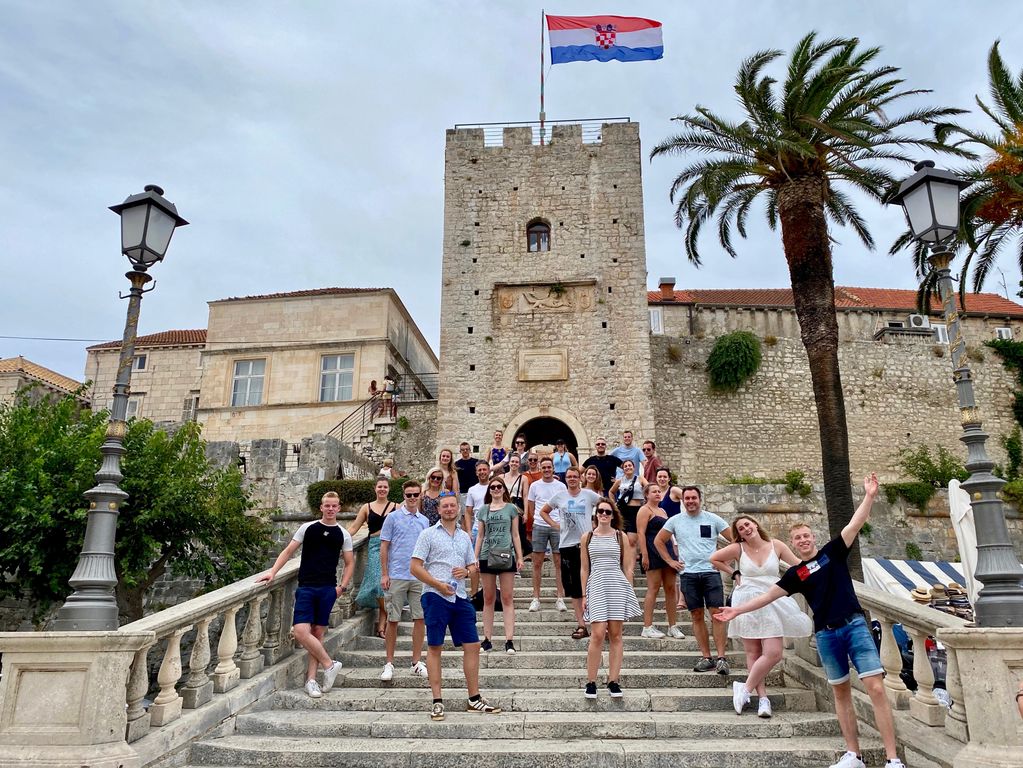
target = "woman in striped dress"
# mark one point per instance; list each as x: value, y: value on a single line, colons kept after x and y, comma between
x: 608, y: 597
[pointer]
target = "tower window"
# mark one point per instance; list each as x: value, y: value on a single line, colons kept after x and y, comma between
x: 538, y: 237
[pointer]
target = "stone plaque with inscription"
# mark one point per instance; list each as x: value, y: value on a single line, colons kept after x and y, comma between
x: 543, y: 364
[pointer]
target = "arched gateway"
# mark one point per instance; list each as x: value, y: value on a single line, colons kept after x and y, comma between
x: 545, y: 425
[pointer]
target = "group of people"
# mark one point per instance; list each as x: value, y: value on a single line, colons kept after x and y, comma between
x: 480, y: 519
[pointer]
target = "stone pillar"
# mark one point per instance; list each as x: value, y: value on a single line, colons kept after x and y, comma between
x: 62, y: 698
x: 990, y: 661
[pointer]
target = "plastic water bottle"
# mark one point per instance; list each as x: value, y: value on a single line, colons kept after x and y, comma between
x: 454, y: 584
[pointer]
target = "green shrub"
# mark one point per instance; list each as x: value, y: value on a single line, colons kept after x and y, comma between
x: 352, y: 492
x: 915, y: 493
x: 733, y: 360
x: 1013, y: 445
x: 867, y: 529
x: 913, y: 552
x: 935, y: 471
x: 403, y: 422
x: 1012, y: 492
x: 794, y: 483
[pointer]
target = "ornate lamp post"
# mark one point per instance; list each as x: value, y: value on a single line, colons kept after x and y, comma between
x: 930, y: 199
x: 148, y: 221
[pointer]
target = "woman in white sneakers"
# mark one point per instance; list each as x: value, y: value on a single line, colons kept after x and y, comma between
x: 499, y: 553
x: 659, y: 575
x: 762, y: 631
x: 608, y: 597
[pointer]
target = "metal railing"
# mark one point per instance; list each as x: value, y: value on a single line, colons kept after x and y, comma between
x: 357, y: 422
x: 418, y: 387
x: 493, y: 133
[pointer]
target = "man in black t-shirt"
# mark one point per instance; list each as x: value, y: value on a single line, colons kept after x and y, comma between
x: 606, y: 464
x: 323, y: 542
x: 465, y: 468
x: 841, y: 630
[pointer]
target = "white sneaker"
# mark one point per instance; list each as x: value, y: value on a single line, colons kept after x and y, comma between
x: 740, y: 696
x: 419, y: 670
x: 313, y: 689
x: 764, y: 707
x: 388, y: 673
x: 330, y: 675
x: 849, y: 760
x: 895, y: 763
x: 651, y: 632
x: 560, y: 605
x: 676, y: 633
x: 535, y: 605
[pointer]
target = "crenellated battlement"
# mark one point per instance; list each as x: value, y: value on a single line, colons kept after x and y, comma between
x: 608, y: 130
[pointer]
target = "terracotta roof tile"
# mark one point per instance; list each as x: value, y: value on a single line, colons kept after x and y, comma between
x: 304, y: 294
x: 39, y: 373
x: 188, y: 338
x: 896, y: 299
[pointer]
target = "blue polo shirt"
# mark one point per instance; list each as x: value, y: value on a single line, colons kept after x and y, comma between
x: 402, y: 529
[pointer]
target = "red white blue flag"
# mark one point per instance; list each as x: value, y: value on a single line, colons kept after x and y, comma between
x: 604, y: 38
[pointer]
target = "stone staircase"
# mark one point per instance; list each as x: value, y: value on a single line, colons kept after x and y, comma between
x: 669, y: 716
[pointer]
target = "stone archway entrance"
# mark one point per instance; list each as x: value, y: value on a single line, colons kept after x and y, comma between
x: 544, y: 425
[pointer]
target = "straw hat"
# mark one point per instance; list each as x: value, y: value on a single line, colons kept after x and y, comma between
x: 922, y: 596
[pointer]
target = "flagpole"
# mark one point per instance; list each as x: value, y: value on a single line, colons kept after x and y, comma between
x: 543, y: 116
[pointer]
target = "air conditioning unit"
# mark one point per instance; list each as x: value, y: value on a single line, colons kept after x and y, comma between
x: 919, y: 321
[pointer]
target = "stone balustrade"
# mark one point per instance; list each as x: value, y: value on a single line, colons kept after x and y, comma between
x: 264, y: 641
x: 920, y: 622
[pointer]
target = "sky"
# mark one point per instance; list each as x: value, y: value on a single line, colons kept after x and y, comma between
x: 304, y: 141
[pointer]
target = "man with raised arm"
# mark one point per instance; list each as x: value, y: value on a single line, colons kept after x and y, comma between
x: 323, y: 542
x: 843, y: 635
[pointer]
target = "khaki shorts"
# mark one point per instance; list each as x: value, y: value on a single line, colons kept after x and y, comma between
x: 402, y: 591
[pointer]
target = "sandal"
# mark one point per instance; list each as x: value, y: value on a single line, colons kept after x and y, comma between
x: 580, y: 633
x: 382, y: 632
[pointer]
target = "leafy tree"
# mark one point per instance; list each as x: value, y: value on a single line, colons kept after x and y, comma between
x: 829, y: 124
x: 991, y: 209
x: 183, y: 514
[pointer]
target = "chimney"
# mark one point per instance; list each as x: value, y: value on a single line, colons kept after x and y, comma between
x: 667, y: 285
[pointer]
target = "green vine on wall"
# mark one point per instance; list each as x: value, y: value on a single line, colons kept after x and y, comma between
x: 733, y: 360
x: 1011, y: 353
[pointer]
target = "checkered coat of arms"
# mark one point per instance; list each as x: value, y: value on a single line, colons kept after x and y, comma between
x: 606, y: 35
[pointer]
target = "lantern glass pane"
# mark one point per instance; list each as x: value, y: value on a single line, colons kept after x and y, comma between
x: 159, y: 231
x: 917, y: 204
x: 946, y: 205
x: 133, y: 224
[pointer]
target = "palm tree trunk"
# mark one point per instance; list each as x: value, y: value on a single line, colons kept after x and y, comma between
x: 808, y: 253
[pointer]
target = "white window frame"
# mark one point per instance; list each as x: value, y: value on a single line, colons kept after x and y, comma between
x: 1003, y: 332
x: 895, y: 324
x: 656, y: 320
x: 337, y: 377
x: 191, y: 408
x: 134, y: 407
x: 247, y: 383
x: 940, y: 332
x: 138, y: 363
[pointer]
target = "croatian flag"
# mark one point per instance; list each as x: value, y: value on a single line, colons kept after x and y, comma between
x: 604, y: 38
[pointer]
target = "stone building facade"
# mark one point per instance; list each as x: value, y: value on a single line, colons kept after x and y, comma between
x: 16, y: 373
x: 165, y: 379
x: 544, y: 324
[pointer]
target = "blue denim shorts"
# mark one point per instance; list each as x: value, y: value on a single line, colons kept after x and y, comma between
x: 313, y: 605
x: 441, y: 616
x: 853, y: 641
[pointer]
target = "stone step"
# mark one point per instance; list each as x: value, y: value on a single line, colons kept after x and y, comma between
x: 390, y: 699
x: 324, y: 752
x: 560, y: 642
x: 632, y: 677
x: 567, y: 659
x: 537, y: 725
x: 562, y: 626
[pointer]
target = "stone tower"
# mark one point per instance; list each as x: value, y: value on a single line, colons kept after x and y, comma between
x: 544, y: 319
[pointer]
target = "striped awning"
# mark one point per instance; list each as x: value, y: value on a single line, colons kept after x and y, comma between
x: 900, y: 577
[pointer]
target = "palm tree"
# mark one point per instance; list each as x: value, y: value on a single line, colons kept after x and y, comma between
x: 992, y: 207
x: 827, y: 123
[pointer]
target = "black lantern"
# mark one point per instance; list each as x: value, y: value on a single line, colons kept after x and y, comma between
x: 930, y: 199
x: 147, y: 222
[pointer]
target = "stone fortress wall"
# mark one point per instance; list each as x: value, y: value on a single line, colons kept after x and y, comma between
x: 562, y: 333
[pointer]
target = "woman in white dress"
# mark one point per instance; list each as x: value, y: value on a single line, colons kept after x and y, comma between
x: 763, y: 631
x: 608, y: 597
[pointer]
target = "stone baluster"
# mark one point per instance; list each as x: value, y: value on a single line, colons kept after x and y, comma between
x: 273, y: 649
x: 226, y: 675
x: 251, y: 660
x: 198, y: 688
x: 923, y: 706
x: 167, y: 706
x: 955, y: 720
x: 891, y: 659
x: 138, y: 685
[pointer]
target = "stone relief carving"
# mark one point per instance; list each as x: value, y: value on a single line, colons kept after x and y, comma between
x: 544, y: 297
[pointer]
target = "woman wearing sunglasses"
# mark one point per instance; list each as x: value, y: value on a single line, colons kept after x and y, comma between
x: 430, y: 503
x: 373, y: 513
x: 499, y: 553
x: 608, y: 597
x: 518, y: 490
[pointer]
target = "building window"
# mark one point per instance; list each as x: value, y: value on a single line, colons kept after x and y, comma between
x: 336, y: 374
x: 248, y: 382
x: 656, y: 321
x: 190, y: 408
x: 895, y: 324
x: 538, y: 237
x: 1003, y: 333
x: 134, y: 406
x: 138, y: 363
x: 940, y: 332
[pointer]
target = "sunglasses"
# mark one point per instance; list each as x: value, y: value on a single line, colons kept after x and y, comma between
x: 520, y: 442
x: 647, y: 450
x: 605, y: 512
x: 497, y: 487
x: 533, y: 461
x: 444, y: 494
x: 411, y: 495
x: 437, y: 477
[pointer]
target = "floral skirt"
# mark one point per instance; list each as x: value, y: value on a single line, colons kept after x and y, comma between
x: 369, y: 590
